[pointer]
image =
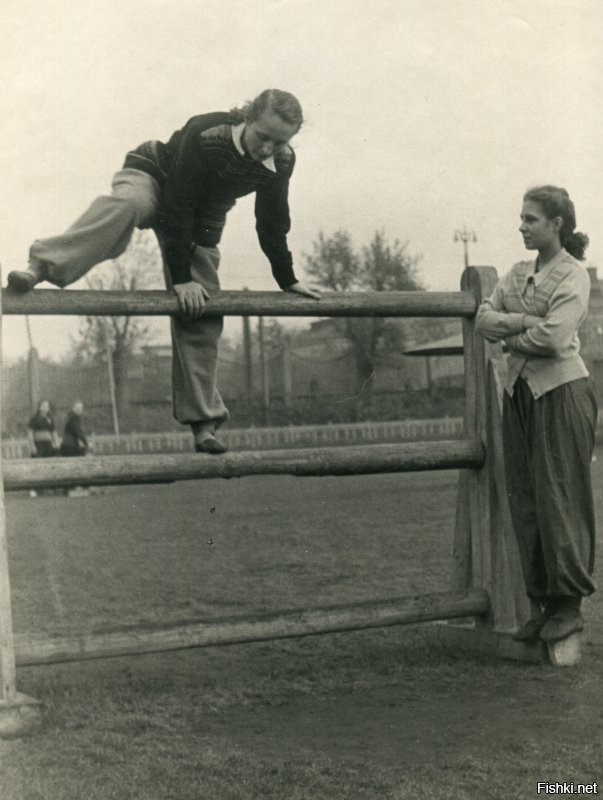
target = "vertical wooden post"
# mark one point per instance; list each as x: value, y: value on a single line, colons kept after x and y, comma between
x: 485, y: 550
x: 471, y: 557
x: 7, y: 654
x: 17, y: 712
x: 480, y: 281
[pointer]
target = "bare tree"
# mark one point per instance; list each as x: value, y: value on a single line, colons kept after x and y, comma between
x: 380, y: 266
x: 139, y: 267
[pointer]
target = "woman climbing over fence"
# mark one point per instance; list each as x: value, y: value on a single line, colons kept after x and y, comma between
x: 183, y: 189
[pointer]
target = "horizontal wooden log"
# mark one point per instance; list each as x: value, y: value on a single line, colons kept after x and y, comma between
x: 33, y: 649
x: 275, y: 304
x: 359, y: 460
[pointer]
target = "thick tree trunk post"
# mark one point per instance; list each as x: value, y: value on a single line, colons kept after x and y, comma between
x: 7, y: 663
x: 485, y: 550
x: 471, y: 555
x: 17, y: 712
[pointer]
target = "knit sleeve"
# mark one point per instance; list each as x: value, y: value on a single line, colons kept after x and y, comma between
x: 273, y: 221
x: 567, y: 310
x: 187, y: 171
x: 493, y: 320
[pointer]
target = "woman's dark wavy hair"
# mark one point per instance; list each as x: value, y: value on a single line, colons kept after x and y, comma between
x: 556, y: 202
x: 282, y: 103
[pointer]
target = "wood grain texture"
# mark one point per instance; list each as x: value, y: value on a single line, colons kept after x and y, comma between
x: 8, y: 690
x: 167, y: 467
x: 228, y: 303
x: 32, y: 649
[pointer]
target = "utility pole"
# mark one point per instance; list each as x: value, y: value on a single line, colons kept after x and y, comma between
x: 33, y: 371
x: 465, y: 237
x: 264, y: 373
x: 110, y: 375
x: 247, y: 360
x: 287, y: 375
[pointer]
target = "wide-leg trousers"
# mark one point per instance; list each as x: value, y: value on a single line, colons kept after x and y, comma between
x: 548, y: 445
x: 103, y: 232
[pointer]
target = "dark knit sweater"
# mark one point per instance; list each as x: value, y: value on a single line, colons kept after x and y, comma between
x: 73, y: 435
x: 201, y: 174
x: 41, y: 422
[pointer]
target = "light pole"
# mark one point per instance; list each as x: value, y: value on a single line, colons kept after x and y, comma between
x: 110, y: 374
x: 465, y: 237
x: 33, y: 372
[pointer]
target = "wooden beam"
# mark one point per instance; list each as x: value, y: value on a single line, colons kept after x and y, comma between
x: 18, y: 714
x: 34, y: 649
x: 167, y: 467
x: 281, y: 304
x: 472, y: 542
x: 8, y: 689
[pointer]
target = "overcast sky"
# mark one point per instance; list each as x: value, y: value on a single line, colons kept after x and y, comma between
x: 422, y: 116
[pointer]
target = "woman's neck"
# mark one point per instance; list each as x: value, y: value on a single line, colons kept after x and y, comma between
x: 547, y: 254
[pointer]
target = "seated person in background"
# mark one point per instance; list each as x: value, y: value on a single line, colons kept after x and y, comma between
x: 75, y: 442
x: 42, y: 435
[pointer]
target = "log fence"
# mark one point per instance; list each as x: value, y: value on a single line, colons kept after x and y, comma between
x: 487, y: 586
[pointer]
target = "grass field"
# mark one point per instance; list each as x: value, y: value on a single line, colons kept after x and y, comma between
x: 376, y: 715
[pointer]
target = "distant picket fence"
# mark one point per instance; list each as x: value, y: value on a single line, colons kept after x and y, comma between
x: 408, y: 430
x: 268, y: 438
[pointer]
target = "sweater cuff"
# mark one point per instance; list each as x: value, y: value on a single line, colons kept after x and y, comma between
x: 516, y: 319
x: 180, y: 273
x: 284, y: 275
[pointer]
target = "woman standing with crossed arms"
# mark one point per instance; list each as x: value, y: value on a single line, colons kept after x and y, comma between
x: 549, y: 412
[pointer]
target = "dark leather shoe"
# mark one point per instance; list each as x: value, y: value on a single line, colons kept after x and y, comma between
x: 531, y: 630
x: 210, y: 445
x: 21, y: 281
x: 563, y: 623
